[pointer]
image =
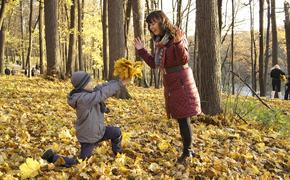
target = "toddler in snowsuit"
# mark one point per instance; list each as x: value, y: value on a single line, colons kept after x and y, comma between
x: 90, y: 108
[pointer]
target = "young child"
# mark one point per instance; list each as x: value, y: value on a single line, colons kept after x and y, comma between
x: 90, y: 109
x: 287, y: 89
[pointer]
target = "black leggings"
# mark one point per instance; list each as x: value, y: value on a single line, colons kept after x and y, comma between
x: 276, y: 85
x: 287, y: 94
x: 186, y: 133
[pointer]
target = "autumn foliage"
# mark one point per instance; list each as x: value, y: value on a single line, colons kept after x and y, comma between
x: 34, y: 116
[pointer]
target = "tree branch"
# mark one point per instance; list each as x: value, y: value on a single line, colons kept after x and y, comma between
x: 254, y: 92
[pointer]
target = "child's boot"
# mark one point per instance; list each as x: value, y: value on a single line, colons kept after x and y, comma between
x: 116, y: 145
x: 48, y: 155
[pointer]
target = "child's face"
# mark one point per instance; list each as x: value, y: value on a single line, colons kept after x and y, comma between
x: 89, y: 86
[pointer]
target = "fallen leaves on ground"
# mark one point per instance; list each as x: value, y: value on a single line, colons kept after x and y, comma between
x: 34, y: 117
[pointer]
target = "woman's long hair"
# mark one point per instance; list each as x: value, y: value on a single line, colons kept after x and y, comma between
x: 163, y: 21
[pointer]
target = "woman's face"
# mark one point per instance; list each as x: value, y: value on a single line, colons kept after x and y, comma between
x: 155, y: 28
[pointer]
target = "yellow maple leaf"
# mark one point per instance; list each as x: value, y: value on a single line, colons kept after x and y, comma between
x: 260, y: 147
x: 154, y: 167
x: 126, y: 139
x: 120, y: 159
x: 65, y: 135
x: 29, y: 169
x: 9, y: 177
x: 55, y: 147
x: 163, y: 145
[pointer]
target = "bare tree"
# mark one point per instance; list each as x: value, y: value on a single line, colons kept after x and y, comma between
x: 116, y: 38
x: 287, y: 33
x: 127, y: 23
x: 232, y: 46
x: 41, y: 36
x: 80, y: 30
x: 105, y: 39
x: 51, y: 36
x: 28, y: 62
x: 72, y: 41
x: 253, y: 47
x: 2, y: 34
x: 116, y: 33
x: 187, y: 17
x: 2, y: 11
x: 261, y: 51
x: 138, y: 19
x: 22, y: 34
x: 267, y: 55
x: 209, y: 53
x: 179, y: 14
x: 274, y: 34
x: 220, y: 3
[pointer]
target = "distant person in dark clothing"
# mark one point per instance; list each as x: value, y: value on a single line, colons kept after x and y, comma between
x: 7, y: 71
x: 13, y: 71
x: 32, y: 72
x: 276, y: 73
x: 25, y: 72
x: 287, y: 89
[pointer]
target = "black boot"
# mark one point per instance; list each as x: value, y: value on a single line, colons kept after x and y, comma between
x: 116, y: 145
x: 48, y: 155
x: 185, y: 155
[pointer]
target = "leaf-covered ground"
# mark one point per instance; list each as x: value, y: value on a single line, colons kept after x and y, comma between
x: 34, y: 116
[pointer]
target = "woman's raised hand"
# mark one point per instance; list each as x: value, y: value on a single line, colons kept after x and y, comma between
x: 179, y: 36
x: 138, y: 43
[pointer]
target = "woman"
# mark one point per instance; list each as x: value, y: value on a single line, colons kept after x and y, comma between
x: 171, y: 56
x: 276, y: 74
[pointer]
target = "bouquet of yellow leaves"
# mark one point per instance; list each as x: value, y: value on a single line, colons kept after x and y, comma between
x: 283, y: 78
x: 127, y: 69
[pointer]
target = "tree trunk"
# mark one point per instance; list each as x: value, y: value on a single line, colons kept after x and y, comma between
x: 174, y: 2
x: 138, y: 20
x: 196, y: 64
x: 127, y: 24
x: 51, y: 36
x: 2, y: 11
x: 209, y: 53
x: 80, y: 30
x: 28, y: 62
x: 253, y: 51
x: 179, y: 14
x: 274, y: 35
x: 72, y: 42
x: 267, y: 55
x: 105, y: 39
x: 287, y: 34
x: 2, y: 48
x: 41, y: 36
x: 2, y: 35
x: 116, y: 38
x: 220, y: 3
x: 232, y: 47
x: 261, y: 52
x: 187, y: 17
x: 22, y: 35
